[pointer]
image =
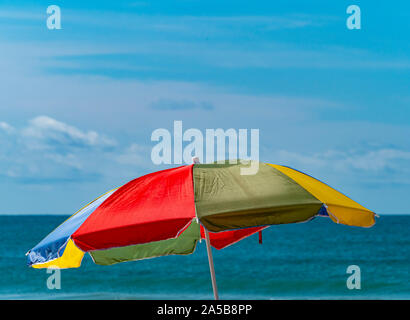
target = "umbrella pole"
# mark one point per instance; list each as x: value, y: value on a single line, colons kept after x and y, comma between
x: 211, y: 264
x: 209, y: 251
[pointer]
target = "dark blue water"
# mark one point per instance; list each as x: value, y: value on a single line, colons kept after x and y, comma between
x: 297, y: 261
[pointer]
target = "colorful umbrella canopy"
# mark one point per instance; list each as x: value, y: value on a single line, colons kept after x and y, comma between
x: 168, y: 212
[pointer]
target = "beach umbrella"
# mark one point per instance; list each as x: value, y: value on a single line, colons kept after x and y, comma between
x: 169, y: 211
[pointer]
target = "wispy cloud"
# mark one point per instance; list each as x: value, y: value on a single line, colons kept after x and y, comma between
x: 6, y: 127
x: 51, y: 151
x: 181, y: 24
x: 381, y: 164
x: 164, y: 104
x: 45, y: 132
x: 172, y: 43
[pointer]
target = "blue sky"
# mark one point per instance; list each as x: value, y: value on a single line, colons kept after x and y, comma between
x: 78, y: 105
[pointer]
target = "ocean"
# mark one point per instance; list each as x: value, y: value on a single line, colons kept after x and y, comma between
x: 296, y: 261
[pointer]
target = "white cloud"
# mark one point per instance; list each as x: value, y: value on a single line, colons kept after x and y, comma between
x: 46, y: 132
x: 370, y: 162
x: 377, y: 160
x: 6, y: 127
x: 69, y: 160
x: 48, y: 152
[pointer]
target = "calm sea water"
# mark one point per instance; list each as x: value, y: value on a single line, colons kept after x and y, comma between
x: 297, y: 261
